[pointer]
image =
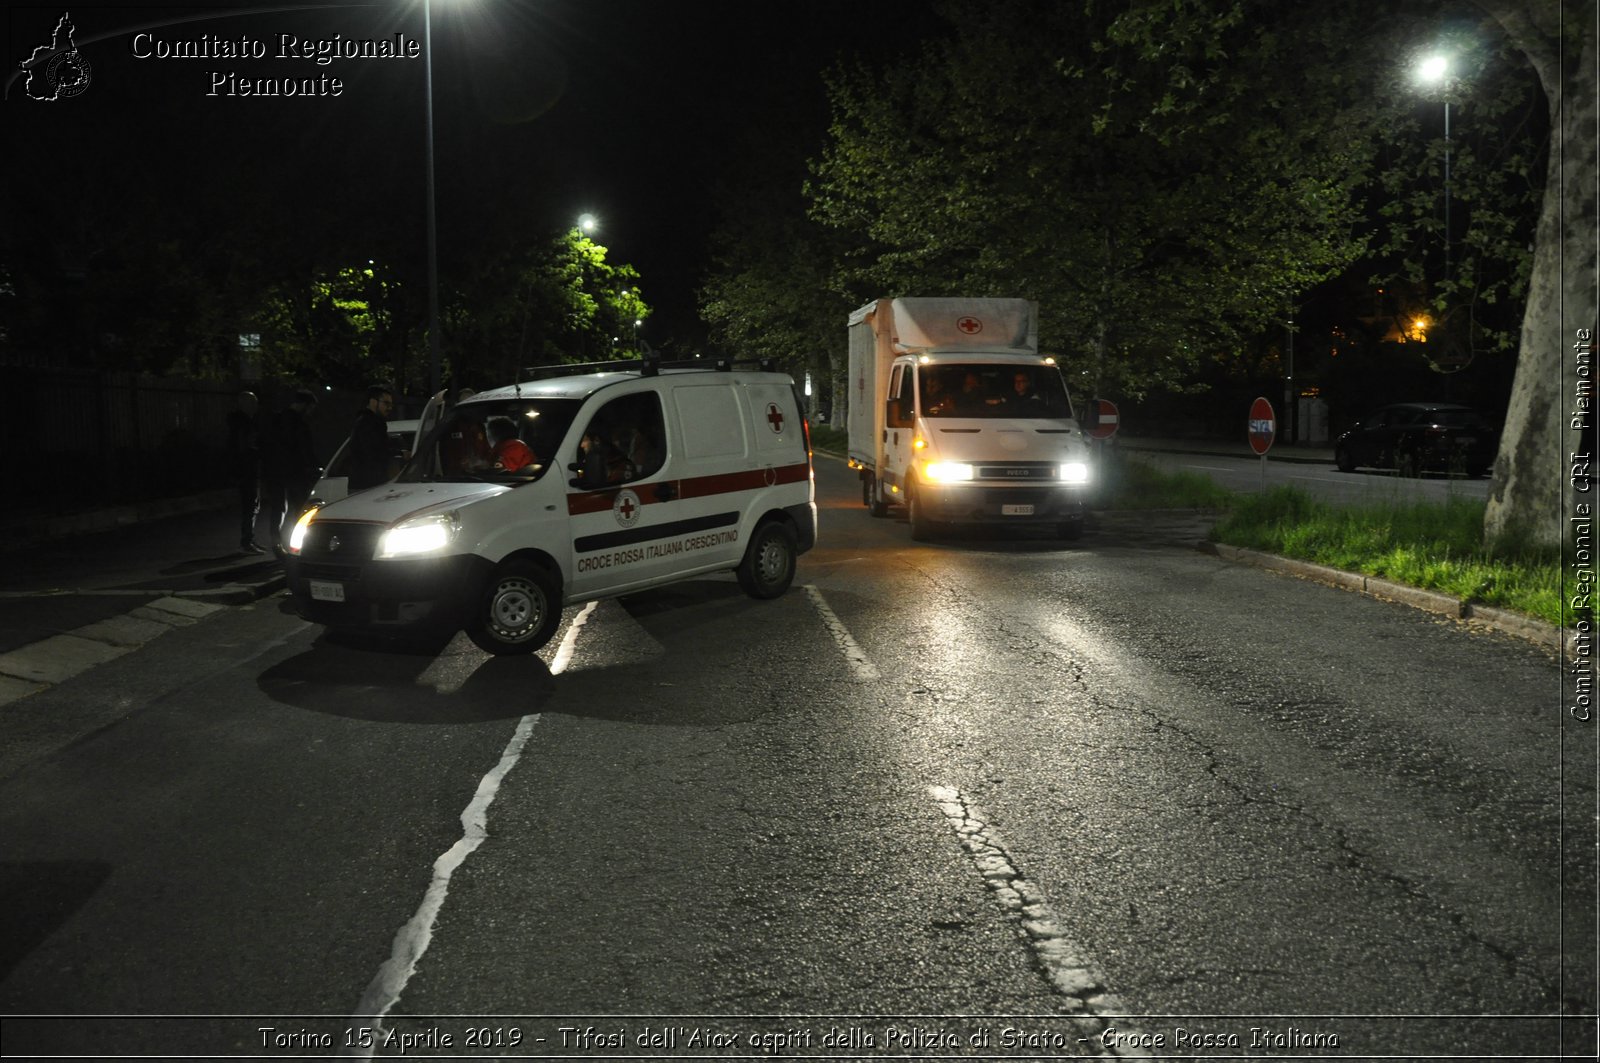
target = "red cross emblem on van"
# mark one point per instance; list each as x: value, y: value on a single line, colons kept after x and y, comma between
x: 775, y: 418
x: 625, y: 507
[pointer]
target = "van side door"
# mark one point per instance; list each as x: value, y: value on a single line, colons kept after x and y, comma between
x: 623, y: 507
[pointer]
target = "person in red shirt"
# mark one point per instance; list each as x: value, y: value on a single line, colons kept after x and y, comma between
x: 510, y: 453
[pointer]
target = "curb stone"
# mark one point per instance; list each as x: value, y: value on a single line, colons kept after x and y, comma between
x: 29, y: 531
x: 1505, y: 621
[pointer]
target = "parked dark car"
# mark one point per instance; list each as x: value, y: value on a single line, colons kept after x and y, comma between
x: 1411, y: 437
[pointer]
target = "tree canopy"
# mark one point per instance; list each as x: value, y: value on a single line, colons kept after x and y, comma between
x: 1162, y: 179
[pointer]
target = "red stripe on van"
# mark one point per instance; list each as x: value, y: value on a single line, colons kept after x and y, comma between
x: 692, y: 487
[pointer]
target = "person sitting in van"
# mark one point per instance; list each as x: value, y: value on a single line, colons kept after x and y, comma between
x: 465, y: 448
x: 633, y: 447
x: 510, y: 453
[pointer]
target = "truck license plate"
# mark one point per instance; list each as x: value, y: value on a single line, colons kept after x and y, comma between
x: 327, y: 592
x: 1016, y: 511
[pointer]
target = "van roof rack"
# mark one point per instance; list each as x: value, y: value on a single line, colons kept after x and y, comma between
x: 650, y: 365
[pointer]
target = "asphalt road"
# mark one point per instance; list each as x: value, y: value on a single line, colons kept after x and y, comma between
x: 992, y: 796
x: 1247, y: 474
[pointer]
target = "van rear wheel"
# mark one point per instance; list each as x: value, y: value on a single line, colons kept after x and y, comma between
x: 518, y: 611
x: 769, y: 561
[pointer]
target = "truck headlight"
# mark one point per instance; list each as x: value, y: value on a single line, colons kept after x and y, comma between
x: 1074, y: 472
x: 297, y: 534
x: 421, y: 535
x: 944, y: 472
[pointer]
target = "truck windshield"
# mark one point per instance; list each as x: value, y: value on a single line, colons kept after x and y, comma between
x: 986, y: 389
x: 505, y: 441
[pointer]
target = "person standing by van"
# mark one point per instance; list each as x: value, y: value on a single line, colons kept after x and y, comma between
x: 288, y: 462
x: 369, y: 440
x: 244, y: 459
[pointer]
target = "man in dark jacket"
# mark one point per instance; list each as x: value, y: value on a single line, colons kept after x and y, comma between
x: 288, y: 462
x: 244, y: 458
x: 369, y: 440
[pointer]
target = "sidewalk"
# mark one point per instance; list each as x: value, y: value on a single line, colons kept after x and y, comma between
x: 1302, y: 453
x: 183, y: 547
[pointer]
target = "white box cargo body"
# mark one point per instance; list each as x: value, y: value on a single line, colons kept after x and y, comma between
x: 956, y: 416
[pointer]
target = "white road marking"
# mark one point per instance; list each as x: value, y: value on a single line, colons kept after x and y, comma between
x: 412, y: 940
x: 864, y: 669
x: 1065, y: 964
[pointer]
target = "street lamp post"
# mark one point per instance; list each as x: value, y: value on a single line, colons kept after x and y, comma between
x: 1435, y: 70
x: 433, y: 226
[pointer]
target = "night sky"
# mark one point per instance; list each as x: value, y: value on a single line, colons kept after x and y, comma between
x: 544, y: 109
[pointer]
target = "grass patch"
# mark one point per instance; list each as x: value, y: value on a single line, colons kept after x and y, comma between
x: 1435, y: 546
x: 1137, y: 485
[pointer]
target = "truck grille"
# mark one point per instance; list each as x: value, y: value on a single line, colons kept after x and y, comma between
x: 1022, y: 472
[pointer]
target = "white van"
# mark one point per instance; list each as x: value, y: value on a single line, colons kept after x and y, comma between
x: 334, y: 483
x: 557, y: 491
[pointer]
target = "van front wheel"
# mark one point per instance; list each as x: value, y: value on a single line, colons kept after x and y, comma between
x: 769, y: 561
x: 519, y: 609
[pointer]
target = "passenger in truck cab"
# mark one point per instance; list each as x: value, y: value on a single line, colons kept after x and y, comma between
x: 972, y: 401
x: 936, y: 400
x: 1022, y: 392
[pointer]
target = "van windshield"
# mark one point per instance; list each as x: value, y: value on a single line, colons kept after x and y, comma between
x: 985, y: 389
x: 502, y: 441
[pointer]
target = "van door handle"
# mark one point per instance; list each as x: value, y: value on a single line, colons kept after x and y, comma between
x: 665, y: 492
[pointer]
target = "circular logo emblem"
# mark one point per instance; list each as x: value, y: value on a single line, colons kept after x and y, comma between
x: 68, y: 74
x: 625, y: 507
x: 970, y: 325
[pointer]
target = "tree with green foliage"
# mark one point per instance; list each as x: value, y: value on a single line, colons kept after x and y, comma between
x: 770, y: 293
x: 1163, y: 186
x: 1455, y: 216
x: 565, y: 302
x: 341, y: 328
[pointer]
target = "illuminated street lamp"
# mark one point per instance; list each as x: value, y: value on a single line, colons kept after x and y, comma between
x: 1435, y: 70
x: 588, y: 223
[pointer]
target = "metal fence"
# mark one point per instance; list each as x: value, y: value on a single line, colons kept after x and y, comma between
x: 79, y: 438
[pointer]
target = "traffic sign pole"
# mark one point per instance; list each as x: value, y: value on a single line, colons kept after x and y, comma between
x: 1260, y: 429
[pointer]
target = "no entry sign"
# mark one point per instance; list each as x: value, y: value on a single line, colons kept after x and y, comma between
x: 1105, y: 422
x: 1263, y: 426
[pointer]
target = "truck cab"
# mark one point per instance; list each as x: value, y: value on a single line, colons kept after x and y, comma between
x: 961, y: 431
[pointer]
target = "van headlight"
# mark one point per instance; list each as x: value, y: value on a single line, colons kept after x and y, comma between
x: 1074, y: 472
x: 297, y: 534
x: 418, y: 536
x: 943, y: 472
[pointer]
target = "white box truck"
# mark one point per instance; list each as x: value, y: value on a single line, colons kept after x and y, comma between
x: 956, y: 417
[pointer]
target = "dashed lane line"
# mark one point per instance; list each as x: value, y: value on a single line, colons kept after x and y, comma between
x: 1081, y: 986
x: 854, y: 655
x: 411, y: 940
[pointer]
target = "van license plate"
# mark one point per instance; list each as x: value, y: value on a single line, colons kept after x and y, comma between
x: 327, y: 592
x: 1016, y: 511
